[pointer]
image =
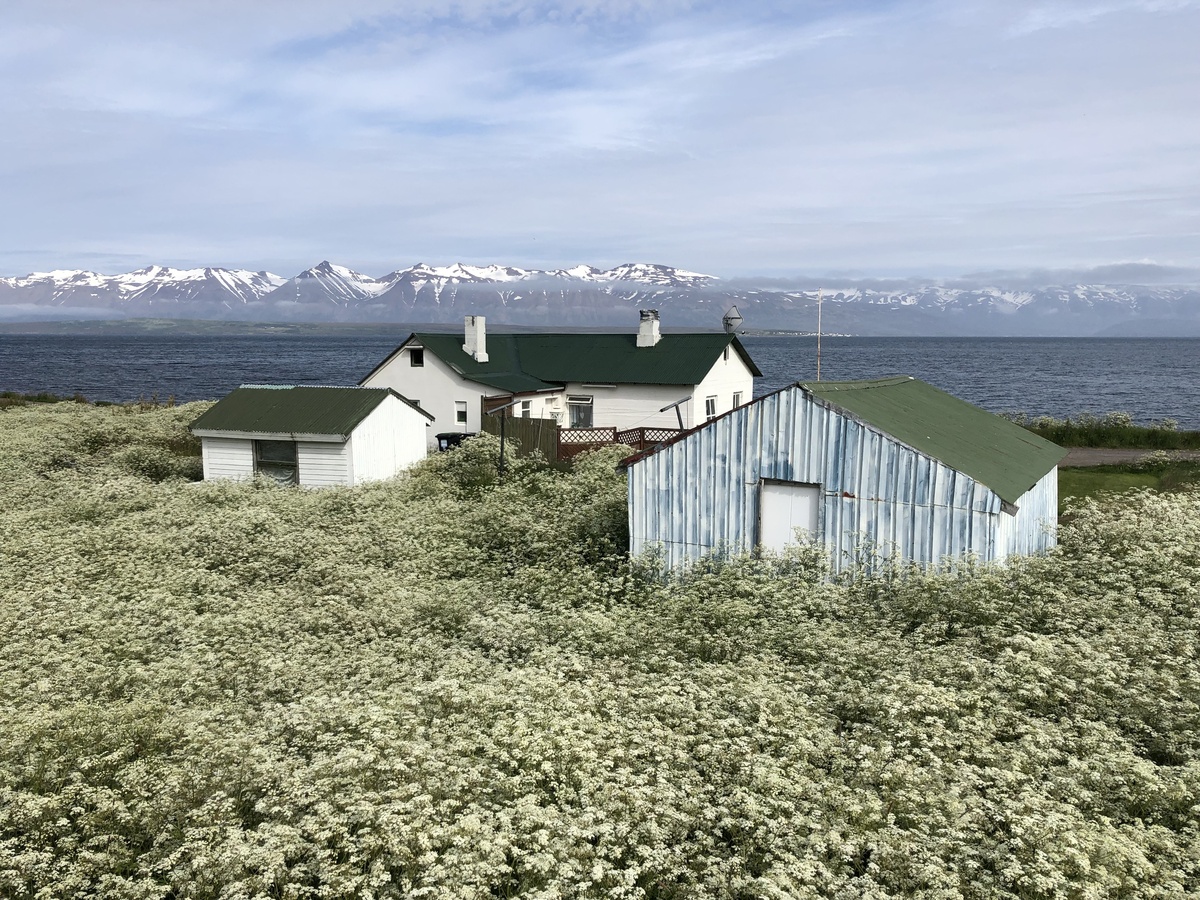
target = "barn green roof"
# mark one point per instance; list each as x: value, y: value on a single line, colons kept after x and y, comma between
x: 1003, y: 456
x: 520, y: 363
x: 292, y: 409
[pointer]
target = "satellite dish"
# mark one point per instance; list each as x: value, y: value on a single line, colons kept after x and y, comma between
x: 732, y: 320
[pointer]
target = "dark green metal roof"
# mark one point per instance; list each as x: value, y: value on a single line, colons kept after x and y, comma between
x: 519, y: 363
x: 994, y: 451
x: 289, y: 409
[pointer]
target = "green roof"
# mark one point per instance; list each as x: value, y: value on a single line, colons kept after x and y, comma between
x: 289, y: 409
x: 995, y: 452
x: 519, y: 363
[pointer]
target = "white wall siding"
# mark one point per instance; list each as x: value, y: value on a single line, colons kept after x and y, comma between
x: 880, y: 497
x: 1034, y: 529
x: 635, y: 405
x: 227, y: 458
x: 389, y: 440
x: 323, y: 464
x: 729, y: 375
x: 436, y: 388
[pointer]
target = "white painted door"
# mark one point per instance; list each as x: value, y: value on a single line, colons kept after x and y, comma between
x: 787, y: 513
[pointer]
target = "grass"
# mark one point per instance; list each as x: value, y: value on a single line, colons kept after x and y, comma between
x: 1093, y: 481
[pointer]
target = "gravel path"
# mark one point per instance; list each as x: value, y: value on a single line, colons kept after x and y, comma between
x: 1102, y: 456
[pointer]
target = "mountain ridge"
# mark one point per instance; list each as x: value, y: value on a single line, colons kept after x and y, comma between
x: 586, y: 296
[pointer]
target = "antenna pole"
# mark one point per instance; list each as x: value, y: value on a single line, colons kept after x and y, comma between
x: 819, y: 291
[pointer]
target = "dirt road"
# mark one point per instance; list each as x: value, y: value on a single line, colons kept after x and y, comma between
x: 1102, y: 456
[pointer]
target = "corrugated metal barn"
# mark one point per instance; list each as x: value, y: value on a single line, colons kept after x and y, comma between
x: 891, y: 467
x: 311, y: 436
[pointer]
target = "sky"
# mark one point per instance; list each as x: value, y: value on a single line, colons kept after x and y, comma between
x: 782, y: 139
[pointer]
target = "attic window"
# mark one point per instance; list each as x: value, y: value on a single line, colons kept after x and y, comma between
x: 726, y: 353
x: 416, y: 357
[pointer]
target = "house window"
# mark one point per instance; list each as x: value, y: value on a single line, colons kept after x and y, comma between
x: 580, y: 409
x: 737, y: 399
x: 526, y: 409
x: 276, y: 460
x: 710, y: 408
x: 416, y: 357
x: 726, y: 354
x: 460, y: 412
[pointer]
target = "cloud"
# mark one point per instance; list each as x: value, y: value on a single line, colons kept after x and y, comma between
x: 1071, y: 13
x: 876, y: 137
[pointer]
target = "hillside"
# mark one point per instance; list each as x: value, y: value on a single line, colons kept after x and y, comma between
x: 448, y: 686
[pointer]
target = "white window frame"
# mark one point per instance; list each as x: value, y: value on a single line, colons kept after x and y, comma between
x: 710, y: 408
x: 460, y: 412
x: 581, y: 402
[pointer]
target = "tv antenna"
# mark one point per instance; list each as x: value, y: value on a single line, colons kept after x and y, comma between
x: 732, y: 321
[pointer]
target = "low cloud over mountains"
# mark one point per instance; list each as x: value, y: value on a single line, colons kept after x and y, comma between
x: 1134, y: 299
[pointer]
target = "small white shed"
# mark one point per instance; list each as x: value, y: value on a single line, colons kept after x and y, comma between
x: 312, y: 436
x: 891, y: 467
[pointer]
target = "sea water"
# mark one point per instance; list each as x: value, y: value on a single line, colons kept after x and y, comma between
x: 1150, y: 378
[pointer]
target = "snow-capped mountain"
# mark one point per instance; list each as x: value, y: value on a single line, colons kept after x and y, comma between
x: 75, y: 288
x: 586, y: 295
x: 334, y: 284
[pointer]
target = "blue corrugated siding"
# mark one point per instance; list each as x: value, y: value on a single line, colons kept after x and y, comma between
x: 881, y: 498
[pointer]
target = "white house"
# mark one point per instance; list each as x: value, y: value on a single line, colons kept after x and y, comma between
x: 580, y: 380
x: 891, y: 467
x: 312, y: 436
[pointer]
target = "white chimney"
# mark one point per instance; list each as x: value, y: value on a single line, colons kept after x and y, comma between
x: 475, y: 338
x: 648, y: 334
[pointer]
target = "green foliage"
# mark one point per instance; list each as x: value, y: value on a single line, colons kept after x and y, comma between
x: 1116, y: 429
x: 1156, y: 471
x: 453, y: 685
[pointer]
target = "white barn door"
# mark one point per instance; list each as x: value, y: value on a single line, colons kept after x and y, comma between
x: 787, y: 512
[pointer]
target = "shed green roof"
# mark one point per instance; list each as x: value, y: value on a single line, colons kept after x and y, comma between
x: 291, y: 409
x: 994, y: 451
x: 519, y: 363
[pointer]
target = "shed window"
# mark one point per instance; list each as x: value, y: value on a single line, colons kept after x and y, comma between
x: 276, y: 460
x: 710, y: 408
x: 416, y: 357
x: 581, y: 411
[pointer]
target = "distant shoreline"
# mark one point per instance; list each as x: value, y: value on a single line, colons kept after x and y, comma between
x: 236, y: 328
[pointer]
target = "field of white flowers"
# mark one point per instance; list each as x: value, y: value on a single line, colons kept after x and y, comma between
x: 442, y: 686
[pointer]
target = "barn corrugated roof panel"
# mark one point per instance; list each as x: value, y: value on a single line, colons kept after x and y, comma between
x: 1004, y: 456
x: 289, y: 409
x: 532, y: 362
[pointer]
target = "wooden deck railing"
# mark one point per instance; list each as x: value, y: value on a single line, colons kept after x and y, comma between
x: 573, y: 441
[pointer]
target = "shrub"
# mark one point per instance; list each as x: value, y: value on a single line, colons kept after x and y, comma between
x: 453, y: 685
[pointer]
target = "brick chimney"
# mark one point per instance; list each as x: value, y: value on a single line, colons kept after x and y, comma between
x: 475, y: 338
x: 648, y: 334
